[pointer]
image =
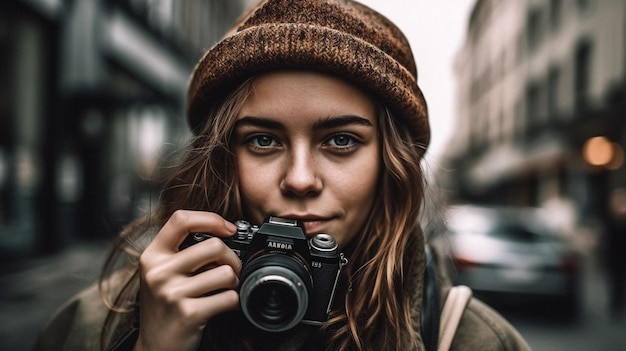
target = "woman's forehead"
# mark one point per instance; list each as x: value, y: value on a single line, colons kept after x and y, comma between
x: 300, y: 92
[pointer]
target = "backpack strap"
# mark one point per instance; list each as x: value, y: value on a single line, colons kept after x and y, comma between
x: 430, y: 313
x: 453, y: 308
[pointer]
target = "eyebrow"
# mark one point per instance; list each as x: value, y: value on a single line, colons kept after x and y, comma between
x: 338, y: 121
x: 259, y: 122
x: 326, y: 123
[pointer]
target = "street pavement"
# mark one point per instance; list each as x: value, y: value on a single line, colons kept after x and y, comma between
x: 595, y: 329
x: 32, y: 290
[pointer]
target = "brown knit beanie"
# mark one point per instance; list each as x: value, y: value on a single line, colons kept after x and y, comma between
x: 341, y: 38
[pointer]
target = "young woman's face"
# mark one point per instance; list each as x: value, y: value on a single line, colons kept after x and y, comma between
x: 306, y: 147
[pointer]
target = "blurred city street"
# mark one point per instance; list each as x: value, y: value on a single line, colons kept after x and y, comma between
x: 532, y: 93
x: 593, y: 329
x: 33, y: 290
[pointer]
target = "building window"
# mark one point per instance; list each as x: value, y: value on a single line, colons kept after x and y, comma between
x: 555, y: 13
x: 532, y: 107
x: 582, y: 76
x: 534, y: 29
x: 535, y: 107
x: 519, y: 122
x: 553, y: 92
x: 500, y: 127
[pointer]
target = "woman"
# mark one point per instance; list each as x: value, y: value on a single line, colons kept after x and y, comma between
x: 308, y: 110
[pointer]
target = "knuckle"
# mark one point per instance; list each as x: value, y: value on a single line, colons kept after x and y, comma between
x: 189, y: 312
x: 225, y: 276
x: 154, y: 276
x: 179, y: 218
x: 172, y: 295
x: 228, y: 276
x: 231, y: 298
x: 215, y: 245
x: 146, y: 260
x: 169, y: 296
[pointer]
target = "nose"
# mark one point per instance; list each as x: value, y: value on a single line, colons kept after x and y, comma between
x: 301, y: 177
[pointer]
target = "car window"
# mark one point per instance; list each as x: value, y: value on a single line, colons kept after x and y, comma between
x: 519, y: 233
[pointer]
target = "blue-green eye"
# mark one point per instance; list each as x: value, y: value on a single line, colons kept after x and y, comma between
x: 263, y: 141
x: 342, y: 141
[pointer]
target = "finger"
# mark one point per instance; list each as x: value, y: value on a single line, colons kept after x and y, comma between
x: 199, y: 310
x: 184, y: 222
x: 210, y: 251
x: 209, y: 282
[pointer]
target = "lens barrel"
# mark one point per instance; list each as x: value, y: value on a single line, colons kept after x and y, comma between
x: 275, y: 290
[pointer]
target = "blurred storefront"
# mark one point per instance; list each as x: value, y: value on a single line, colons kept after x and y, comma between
x: 91, y: 104
x: 540, y: 81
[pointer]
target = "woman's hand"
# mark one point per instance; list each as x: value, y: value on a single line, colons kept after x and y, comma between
x: 176, y: 303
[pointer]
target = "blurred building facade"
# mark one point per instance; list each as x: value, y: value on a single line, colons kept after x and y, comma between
x: 92, y: 90
x: 541, y: 104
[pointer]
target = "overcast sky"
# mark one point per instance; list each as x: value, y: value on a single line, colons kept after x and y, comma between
x: 436, y: 30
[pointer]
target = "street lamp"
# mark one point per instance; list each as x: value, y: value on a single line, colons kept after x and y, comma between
x: 601, y: 152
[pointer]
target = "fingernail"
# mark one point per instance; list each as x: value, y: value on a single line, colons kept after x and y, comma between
x: 230, y: 227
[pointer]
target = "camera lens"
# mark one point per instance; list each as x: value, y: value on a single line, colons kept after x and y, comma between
x: 274, y: 292
x: 273, y: 303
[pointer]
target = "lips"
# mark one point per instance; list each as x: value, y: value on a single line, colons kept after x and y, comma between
x: 313, y: 227
x: 312, y: 224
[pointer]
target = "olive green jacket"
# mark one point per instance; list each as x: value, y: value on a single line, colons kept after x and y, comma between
x: 77, y: 326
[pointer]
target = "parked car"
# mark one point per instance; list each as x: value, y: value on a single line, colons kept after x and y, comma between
x: 511, y: 252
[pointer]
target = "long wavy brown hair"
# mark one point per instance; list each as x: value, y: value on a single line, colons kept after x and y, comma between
x: 385, y: 267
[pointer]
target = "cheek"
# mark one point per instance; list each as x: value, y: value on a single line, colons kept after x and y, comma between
x: 255, y: 184
x: 357, y: 197
x: 363, y: 179
x: 357, y: 189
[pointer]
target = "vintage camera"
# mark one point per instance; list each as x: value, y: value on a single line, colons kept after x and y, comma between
x: 285, y: 279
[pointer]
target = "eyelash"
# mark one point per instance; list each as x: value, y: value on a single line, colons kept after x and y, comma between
x: 254, y: 141
x: 352, y: 140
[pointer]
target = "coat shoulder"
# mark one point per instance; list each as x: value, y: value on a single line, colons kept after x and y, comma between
x: 76, y: 325
x: 482, y: 328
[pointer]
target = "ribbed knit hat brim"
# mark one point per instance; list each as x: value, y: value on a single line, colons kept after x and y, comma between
x: 344, y: 39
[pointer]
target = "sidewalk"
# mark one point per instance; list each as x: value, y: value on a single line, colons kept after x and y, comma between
x: 35, y: 288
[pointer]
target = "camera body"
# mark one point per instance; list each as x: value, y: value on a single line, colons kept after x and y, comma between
x: 286, y: 279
